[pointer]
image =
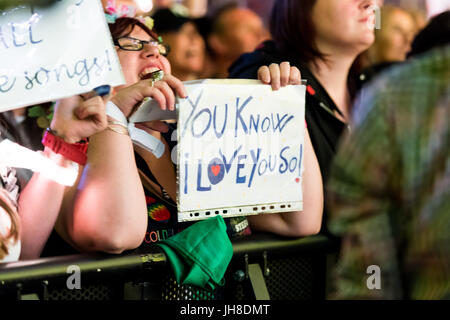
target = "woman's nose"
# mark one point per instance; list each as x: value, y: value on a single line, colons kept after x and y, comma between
x: 150, y: 51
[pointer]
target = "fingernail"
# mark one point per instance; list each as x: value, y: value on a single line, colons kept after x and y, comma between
x: 102, y: 90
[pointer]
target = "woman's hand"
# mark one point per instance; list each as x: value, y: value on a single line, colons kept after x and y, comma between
x: 162, y: 91
x: 76, y: 118
x: 279, y: 75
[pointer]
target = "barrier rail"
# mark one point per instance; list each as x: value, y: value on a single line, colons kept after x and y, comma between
x: 263, y: 267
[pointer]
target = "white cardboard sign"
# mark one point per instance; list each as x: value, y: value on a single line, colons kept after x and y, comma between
x: 54, y: 52
x: 240, y: 149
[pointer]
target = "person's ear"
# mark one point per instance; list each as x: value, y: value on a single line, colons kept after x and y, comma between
x: 216, y: 44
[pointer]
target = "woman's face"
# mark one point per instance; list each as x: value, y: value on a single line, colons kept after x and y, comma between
x: 344, y: 25
x: 395, y: 37
x: 187, y: 52
x: 136, y: 64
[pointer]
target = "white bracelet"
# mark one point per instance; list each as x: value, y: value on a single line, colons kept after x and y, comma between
x: 114, y: 112
x: 138, y: 136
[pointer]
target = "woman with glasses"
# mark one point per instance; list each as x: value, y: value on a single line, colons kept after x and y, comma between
x: 112, y: 211
x: 141, y: 53
x: 134, y: 216
x: 110, y: 214
x: 161, y: 172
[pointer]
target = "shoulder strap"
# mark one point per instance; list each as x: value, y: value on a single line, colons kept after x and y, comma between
x: 154, y: 188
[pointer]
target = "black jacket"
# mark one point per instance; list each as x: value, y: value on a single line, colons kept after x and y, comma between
x: 323, y: 127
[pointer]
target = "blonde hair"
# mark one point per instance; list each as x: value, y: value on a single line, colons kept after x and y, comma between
x: 14, y: 230
x: 378, y: 47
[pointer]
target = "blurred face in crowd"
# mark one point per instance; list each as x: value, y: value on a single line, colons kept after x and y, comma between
x: 344, y: 25
x: 136, y: 64
x: 242, y: 31
x: 187, y: 54
x: 393, y: 40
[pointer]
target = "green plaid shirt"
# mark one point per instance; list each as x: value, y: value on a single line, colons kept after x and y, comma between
x: 389, y: 191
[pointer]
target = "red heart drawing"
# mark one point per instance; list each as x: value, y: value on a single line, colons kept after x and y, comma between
x: 215, y: 169
x: 297, y: 180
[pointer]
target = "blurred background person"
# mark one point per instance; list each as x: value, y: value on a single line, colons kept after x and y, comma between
x: 389, y: 190
x: 419, y: 16
x: 187, y: 47
x: 393, y: 39
x: 162, y: 4
x: 235, y: 30
x: 197, y: 8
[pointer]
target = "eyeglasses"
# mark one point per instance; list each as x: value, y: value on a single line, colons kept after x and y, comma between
x: 132, y: 44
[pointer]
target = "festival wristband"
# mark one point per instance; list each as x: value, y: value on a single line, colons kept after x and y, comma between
x: 75, y: 152
x: 138, y: 136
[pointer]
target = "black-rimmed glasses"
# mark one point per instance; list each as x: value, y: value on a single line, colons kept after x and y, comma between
x: 133, y: 44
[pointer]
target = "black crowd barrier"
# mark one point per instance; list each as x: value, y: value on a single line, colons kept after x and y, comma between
x: 264, y: 267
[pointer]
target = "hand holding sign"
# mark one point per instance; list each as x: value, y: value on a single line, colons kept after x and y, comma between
x: 75, y: 119
x: 237, y: 139
x: 279, y: 75
x: 163, y: 92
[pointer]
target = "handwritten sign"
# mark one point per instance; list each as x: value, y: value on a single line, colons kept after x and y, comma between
x: 240, y: 149
x: 53, y: 52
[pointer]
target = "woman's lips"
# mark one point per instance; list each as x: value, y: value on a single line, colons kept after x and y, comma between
x: 147, y: 71
x: 368, y: 17
x: 364, y: 20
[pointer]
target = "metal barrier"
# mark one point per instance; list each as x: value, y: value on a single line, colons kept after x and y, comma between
x: 263, y: 267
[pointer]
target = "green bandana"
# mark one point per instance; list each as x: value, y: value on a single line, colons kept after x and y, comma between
x: 200, y: 254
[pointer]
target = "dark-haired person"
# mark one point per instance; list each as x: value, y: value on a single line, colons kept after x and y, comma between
x: 322, y: 38
x: 112, y: 227
x: 187, y: 47
x: 161, y: 172
x: 121, y: 222
x: 118, y: 220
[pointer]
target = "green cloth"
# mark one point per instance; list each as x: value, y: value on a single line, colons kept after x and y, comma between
x: 200, y: 254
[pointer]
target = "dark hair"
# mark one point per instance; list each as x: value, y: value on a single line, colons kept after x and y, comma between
x: 167, y: 21
x: 6, y: 126
x: 435, y: 34
x: 293, y: 30
x: 124, y: 26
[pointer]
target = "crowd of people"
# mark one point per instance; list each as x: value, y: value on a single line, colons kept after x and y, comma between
x: 376, y: 159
